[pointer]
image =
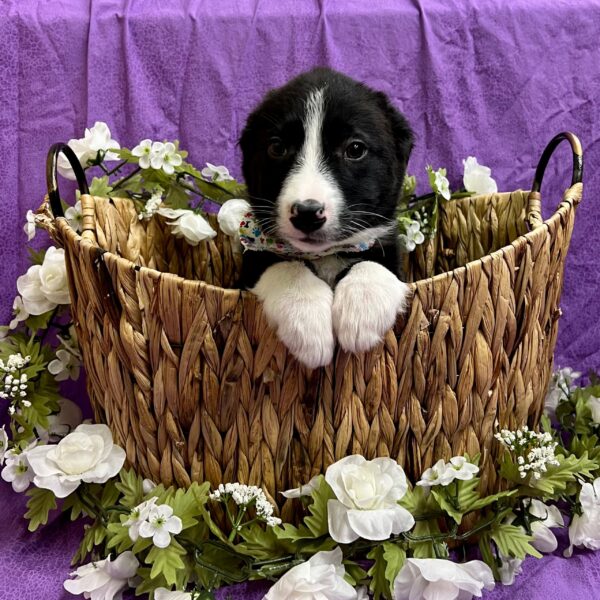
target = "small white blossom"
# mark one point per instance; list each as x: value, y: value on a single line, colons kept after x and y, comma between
x: 96, y: 139
x: 17, y: 469
x: 159, y: 525
x: 436, y: 475
x: 165, y: 594
x: 509, y: 569
x: 74, y: 216
x: 152, y: 205
x: 561, y: 385
x: 461, y: 468
x: 188, y: 225
x: 547, y: 517
x: 19, y: 311
x: 171, y: 158
x: 3, y: 444
x: 139, y: 515
x: 478, y: 178
x: 29, y: 227
x: 584, y: 530
x: 245, y: 496
x: 65, y: 366
x: 594, y: 406
x: 144, y: 152
x: 439, y: 183
x: 413, y: 236
x: 147, y: 486
x: 216, y: 173
x: 303, y: 490
x: 103, y: 579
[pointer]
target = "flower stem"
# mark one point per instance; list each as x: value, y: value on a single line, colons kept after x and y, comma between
x: 121, y: 181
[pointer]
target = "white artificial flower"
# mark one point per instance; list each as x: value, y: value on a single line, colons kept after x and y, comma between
x: 3, y: 444
x: 103, y: 579
x: 460, y: 468
x: 139, y: 515
x: 61, y: 424
x: 442, y: 579
x: 509, y: 569
x: 152, y: 205
x: 171, y: 158
x: 19, y: 311
x: 97, y: 138
x: 439, y: 474
x: 303, y: 490
x: 244, y: 496
x: 29, y: 227
x: 478, y: 178
x: 53, y: 276
x: 87, y: 454
x: 367, y: 494
x: 17, y: 469
x: 144, y: 152
x: 165, y: 594
x: 160, y: 524
x: 147, y: 486
x: 561, y: 384
x: 74, y: 216
x: 188, y: 225
x: 442, y: 185
x: 413, y: 236
x: 362, y: 593
x: 584, y: 529
x: 549, y: 516
x: 231, y: 215
x: 214, y: 173
x: 594, y: 406
x: 65, y: 366
x: 34, y: 300
x: 319, y: 578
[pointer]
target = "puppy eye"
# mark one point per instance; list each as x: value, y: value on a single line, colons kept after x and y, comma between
x: 277, y: 148
x: 355, y: 150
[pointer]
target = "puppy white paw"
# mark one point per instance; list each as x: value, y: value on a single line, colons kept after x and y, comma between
x: 298, y: 305
x: 366, y: 304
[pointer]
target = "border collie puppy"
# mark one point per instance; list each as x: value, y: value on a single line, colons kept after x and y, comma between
x: 324, y: 159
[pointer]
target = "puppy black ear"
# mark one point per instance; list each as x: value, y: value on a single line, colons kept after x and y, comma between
x: 403, y: 135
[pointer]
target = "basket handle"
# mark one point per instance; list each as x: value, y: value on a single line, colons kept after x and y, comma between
x: 534, y: 200
x: 52, y: 176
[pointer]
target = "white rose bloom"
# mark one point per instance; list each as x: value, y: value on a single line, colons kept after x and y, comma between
x: 594, y: 406
x: 442, y: 579
x: 478, y: 178
x: 53, y: 276
x: 165, y: 594
x: 303, y: 490
x: 61, y: 424
x: 319, y: 578
x: 96, y: 138
x: 17, y: 469
x: 231, y: 215
x: 550, y: 516
x: 19, y: 311
x: 103, y: 579
x: 3, y: 444
x: 367, y: 493
x: 87, y: 454
x: 188, y: 225
x: 214, y: 173
x: 160, y: 524
x: 65, y: 366
x: 29, y: 227
x: 74, y: 216
x: 584, y: 529
x: 34, y: 300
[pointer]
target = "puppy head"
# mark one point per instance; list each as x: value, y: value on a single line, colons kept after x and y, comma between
x: 324, y: 158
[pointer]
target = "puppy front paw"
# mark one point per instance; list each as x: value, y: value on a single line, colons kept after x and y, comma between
x: 298, y: 305
x: 366, y: 304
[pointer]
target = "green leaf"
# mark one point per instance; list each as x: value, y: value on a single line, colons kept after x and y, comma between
x: 36, y: 322
x: 73, y: 502
x: 93, y: 536
x: 262, y: 543
x: 130, y: 486
x: 166, y: 561
x: 109, y: 493
x: 513, y: 541
x: 36, y: 257
x: 423, y: 548
x: 186, y: 503
x: 100, y: 186
x: 355, y: 574
x: 394, y: 557
x: 379, y: 584
x: 40, y: 503
x: 118, y: 536
x: 554, y: 481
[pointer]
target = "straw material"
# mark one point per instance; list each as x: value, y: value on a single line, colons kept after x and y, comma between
x: 195, y: 386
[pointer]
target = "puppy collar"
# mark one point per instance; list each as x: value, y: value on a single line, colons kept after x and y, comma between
x: 253, y: 238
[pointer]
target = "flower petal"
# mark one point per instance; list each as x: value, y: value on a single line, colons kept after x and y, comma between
x: 338, y: 524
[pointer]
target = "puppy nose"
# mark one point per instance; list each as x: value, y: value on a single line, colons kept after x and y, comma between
x: 308, y: 215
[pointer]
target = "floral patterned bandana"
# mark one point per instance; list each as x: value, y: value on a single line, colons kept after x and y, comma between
x: 252, y: 237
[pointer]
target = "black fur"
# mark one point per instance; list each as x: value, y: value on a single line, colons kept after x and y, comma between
x: 352, y: 110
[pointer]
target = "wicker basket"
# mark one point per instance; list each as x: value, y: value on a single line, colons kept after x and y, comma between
x: 195, y: 385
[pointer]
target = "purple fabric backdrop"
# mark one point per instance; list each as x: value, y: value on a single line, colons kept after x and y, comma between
x: 479, y: 77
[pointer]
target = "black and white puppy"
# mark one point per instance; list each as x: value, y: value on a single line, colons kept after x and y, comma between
x: 324, y: 159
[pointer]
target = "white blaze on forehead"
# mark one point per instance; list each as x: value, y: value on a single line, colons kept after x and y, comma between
x: 309, y: 178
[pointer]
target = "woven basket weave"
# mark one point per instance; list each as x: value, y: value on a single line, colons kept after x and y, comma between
x: 195, y: 386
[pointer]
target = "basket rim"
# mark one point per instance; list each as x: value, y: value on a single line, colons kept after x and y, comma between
x: 571, y: 197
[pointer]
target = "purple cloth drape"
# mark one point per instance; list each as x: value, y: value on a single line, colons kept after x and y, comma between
x: 482, y: 77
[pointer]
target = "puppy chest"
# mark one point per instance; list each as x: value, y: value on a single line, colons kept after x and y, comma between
x: 329, y: 267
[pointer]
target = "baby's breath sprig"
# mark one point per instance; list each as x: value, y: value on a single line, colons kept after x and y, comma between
x: 533, y: 451
x: 14, y: 382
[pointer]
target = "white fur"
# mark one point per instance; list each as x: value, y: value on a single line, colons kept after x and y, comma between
x: 298, y: 304
x: 309, y: 179
x: 366, y: 303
